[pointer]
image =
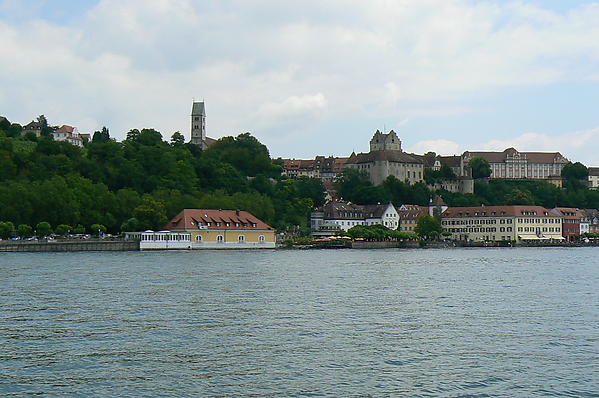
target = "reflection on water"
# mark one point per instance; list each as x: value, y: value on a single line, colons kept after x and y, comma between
x: 433, y: 323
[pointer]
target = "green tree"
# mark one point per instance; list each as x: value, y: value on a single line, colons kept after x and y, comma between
x: 177, y: 138
x: 428, y: 227
x: 7, y: 229
x: 43, y: 229
x: 151, y: 214
x: 24, y: 231
x: 575, y: 171
x: 101, y: 136
x: 97, y: 229
x: 131, y: 225
x: 480, y: 168
x: 63, y: 229
x: 79, y: 229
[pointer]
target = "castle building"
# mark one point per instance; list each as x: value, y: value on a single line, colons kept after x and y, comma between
x: 387, y: 158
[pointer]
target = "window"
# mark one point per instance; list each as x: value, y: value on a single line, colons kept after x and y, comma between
x: 220, y: 239
x: 261, y: 239
x: 199, y: 238
x: 241, y: 238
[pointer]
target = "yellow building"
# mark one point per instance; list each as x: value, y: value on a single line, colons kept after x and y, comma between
x: 502, y: 223
x: 222, y: 229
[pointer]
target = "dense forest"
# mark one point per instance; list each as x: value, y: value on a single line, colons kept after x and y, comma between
x: 143, y: 181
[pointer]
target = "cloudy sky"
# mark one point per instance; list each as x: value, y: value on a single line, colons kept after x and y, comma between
x: 313, y: 77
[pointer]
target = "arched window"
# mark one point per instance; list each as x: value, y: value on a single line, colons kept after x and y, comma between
x: 241, y: 238
x: 261, y: 239
x: 220, y: 239
x: 199, y: 238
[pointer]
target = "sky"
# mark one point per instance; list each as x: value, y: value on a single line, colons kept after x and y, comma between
x: 313, y: 77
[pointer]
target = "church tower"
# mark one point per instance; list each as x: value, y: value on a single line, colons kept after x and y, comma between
x: 198, y: 124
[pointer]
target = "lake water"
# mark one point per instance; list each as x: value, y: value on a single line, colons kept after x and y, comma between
x: 338, y: 323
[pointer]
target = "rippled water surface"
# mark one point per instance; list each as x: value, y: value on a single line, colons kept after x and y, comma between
x: 340, y: 323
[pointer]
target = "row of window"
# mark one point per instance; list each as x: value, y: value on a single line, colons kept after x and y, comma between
x: 240, y: 239
x: 166, y: 238
x: 538, y: 229
x: 476, y: 222
x: 537, y: 221
x: 475, y: 229
x: 228, y: 224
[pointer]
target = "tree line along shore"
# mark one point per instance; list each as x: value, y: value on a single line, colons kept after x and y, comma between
x: 106, y: 186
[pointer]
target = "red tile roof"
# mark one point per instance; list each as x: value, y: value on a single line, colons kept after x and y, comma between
x: 208, y: 218
x: 498, y: 211
x: 66, y: 129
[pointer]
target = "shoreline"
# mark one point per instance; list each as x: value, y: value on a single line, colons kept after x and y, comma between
x: 129, y: 245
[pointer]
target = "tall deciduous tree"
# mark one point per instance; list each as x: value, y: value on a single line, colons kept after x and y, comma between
x: 428, y: 227
x: 480, y: 168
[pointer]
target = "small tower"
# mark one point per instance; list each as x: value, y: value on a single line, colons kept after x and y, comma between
x: 198, y: 124
x: 385, y: 142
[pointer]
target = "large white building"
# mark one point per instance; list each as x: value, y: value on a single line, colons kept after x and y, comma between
x: 593, y: 177
x: 512, y: 164
x: 69, y: 134
x: 336, y: 216
x: 502, y: 223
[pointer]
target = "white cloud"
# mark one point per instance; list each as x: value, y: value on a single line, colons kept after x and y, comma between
x: 577, y: 146
x: 440, y: 147
x: 272, y: 66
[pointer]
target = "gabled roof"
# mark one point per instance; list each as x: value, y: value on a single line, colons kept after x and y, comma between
x: 190, y: 219
x: 391, y: 156
x: 198, y: 109
x: 499, y: 211
x: 412, y: 212
x: 594, y: 171
x: 570, y: 212
x: 65, y: 129
x: 210, y: 141
x: 376, y: 211
x: 532, y: 157
x: 34, y: 125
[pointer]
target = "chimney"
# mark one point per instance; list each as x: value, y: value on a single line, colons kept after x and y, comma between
x: 237, y: 212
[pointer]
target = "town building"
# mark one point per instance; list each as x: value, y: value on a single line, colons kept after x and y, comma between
x: 34, y: 127
x: 512, y: 164
x: 210, y: 229
x: 69, y: 134
x: 409, y: 216
x: 502, y: 223
x: 324, y: 168
x: 574, y: 222
x: 295, y: 168
x: 335, y: 217
x: 198, y: 126
x: 593, y: 177
x: 592, y: 217
x: 386, y: 158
